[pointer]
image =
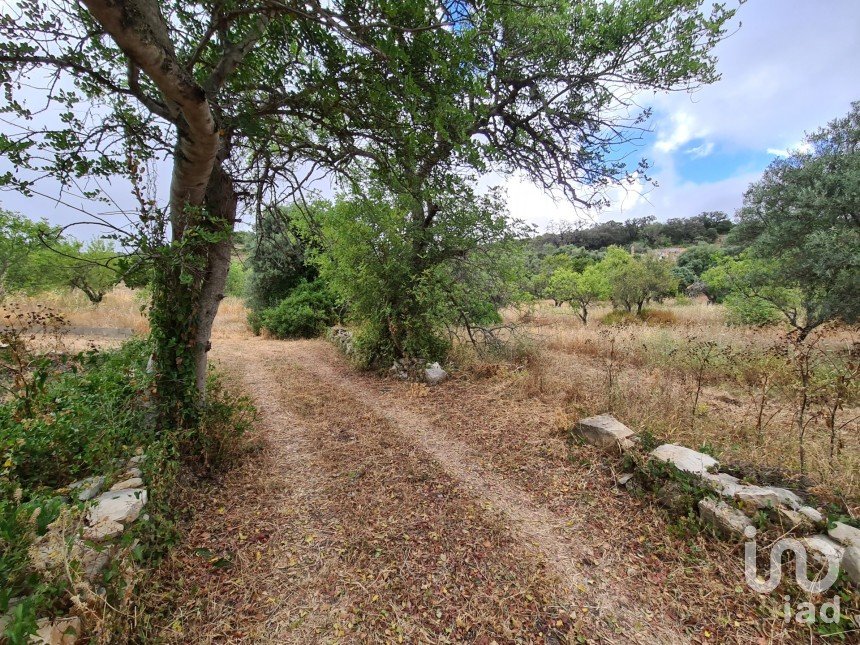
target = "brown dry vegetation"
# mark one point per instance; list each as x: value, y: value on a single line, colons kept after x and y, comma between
x: 655, y: 386
x: 377, y: 511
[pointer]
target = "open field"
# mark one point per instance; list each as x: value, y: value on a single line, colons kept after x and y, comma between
x: 654, y: 383
x: 746, y: 411
x: 371, y: 510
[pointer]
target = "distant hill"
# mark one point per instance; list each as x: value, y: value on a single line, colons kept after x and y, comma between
x: 647, y: 231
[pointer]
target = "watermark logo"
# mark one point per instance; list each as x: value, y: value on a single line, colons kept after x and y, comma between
x: 761, y: 585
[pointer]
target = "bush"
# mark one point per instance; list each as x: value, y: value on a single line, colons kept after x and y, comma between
x: 647, y: 316
x: 237, y: 280
x: 305, y: 313
x: 749, y: 310
x: 79, y: 416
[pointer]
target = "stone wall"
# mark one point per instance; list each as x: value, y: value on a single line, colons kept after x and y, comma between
x: 684, y: 481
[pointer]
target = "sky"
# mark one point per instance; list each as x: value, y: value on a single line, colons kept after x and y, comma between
x: 789, y: 67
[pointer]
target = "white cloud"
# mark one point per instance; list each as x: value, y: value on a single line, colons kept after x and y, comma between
x: 701, y: 151
x: 803, y: 147
x: 681, y: 129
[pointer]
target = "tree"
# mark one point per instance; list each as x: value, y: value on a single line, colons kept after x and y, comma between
x: 280, y: 256
x: 512, y: 87
x: 580, y: 290
x: 801, y: 223
x: 471, y: 265
x: 633, y: 281
x: 20, y: 241
x: 700, y: 258
x: 218, y: 88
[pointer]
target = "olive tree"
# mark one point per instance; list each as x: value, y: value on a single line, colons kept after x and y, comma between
x: 800, y: 226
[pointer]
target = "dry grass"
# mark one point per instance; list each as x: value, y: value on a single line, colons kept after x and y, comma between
x: 125, y: 309
x: 655, y: 385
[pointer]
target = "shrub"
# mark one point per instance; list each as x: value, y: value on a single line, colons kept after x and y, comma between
x: 83, y: 415
x: 750, y: 310
x: 647, y: 316
x: 237, y: 280
x: 305, y: 313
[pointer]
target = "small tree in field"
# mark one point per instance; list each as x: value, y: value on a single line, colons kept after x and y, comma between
x: 634, y: 281
x: 580, y: 290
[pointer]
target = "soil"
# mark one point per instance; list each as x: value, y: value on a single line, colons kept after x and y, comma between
x: 379, y: 511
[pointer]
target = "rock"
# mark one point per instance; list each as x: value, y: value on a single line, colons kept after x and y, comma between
x: 793, y: 519
x: 434, y: 374
x: 342, y: 337
x: 104, y: 530
x: 726, y: 519
x: 851, y: 564
x: 93, y: 561
x: 397, y: 370
x: 767, y: 497
x: 121, y: 506
x: 134, y: 482
x: 51, y: 552
x: 812, y: 514
x: 821, y: 548
x: 63, y: 631
x: 605, y: 431
x: 845, y: 534
x: 131, y: 472
x: 623, y: 479
x: 725, y: 485
x: 684, y: 459
x: 136, y: 461
x: 86, y: 489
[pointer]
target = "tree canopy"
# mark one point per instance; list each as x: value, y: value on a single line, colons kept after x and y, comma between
x: 801, y: 223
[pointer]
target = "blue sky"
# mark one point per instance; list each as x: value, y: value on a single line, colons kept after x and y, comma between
x: 790, y: 68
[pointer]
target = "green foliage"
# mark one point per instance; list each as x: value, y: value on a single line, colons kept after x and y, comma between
x: 581, y: 290
x: 800, y: 222
x: 237, y: 280
x: 644, y: 231
x: 700, y: 258
x: 86, y: 415
x: 305, y: 313
x: 279, y: 258
x: 633, y: 281
x: 87, y: 412
x: 409, y: 281
x: 744, y: 310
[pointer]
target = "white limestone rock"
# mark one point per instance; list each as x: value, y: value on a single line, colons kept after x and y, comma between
x: 812, y: 514
x: 851, y: 564
x: 434, y: 374
x: 684, y: 459
x: 605, y: 431
x: 768, y: 497
x: 104, y: 530
x: 725, y: 485
x: 724, y: 518
x: 845, y: 534
x: 86, y: 489
x: 793, y: 519
x: 822, y: 549
x: 134, y: 482
x: 121, y: 506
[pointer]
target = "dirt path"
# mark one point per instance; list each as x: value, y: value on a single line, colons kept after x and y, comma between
x: 376, y: 511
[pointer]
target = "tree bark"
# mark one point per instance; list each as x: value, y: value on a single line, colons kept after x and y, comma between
x: 221, y: 203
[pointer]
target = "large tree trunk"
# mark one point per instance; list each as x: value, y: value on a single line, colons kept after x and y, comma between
x: 191, y: 272
x: 221, y: 201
